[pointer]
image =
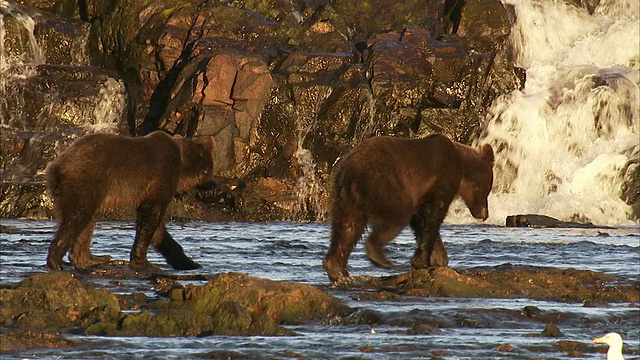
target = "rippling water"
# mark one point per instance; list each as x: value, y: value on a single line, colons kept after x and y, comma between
x: 294, y: 252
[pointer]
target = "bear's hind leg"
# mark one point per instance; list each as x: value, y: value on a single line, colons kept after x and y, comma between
x: 346, y: 230
x: 172, y: 252
x: 80, y: 256
x: 382, y: 233
x: 70, y: 227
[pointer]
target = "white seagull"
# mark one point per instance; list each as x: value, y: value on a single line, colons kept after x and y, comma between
x: 614, y: 340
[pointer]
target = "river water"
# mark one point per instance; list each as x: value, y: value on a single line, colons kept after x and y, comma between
x: 294, y: 251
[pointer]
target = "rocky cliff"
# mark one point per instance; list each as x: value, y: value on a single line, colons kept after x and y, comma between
x: 285, y: 87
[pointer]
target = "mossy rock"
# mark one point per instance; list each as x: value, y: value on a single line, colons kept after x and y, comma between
x: 55, y: 300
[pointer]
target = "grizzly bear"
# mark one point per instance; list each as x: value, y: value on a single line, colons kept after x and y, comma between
x: 388, y: 182
x: 103, y: 173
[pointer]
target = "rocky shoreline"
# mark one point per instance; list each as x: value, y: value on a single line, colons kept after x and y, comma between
x: 40, y: 310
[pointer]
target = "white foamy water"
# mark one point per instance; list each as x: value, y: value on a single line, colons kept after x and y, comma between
x: 562, y: 141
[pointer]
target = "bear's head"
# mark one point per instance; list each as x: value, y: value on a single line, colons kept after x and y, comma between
x: 477, y: 180
x: 197, y: 162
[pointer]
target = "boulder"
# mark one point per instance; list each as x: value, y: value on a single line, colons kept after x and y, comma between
x: 510, y: 282
x: 229, y: 304
x: 54, y: 301
x: 534, y: 220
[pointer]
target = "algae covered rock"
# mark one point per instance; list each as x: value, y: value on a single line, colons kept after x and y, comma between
x: 55, y: 300
x: 229, y: 304
x: 509, y: 281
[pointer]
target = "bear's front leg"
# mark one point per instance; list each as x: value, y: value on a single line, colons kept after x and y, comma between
x: 430, y: 250
x: 346, y: 230
x: 149, y: 216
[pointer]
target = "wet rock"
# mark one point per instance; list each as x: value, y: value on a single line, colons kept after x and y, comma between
x: 509, y: 281
x: 67, y: 8
x: 573, y: 348
x: 20, y: 340
x: 531, y: 311
x: 53, y: 301
x: 504, y: 348
x: 533, y: 220
x: 422, y: 329
x: 229, y: 304
x: 551, y: 330
x: 630, y: 173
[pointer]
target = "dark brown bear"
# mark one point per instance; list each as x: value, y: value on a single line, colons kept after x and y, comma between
x: 102, y: 173
x: 390, y: 182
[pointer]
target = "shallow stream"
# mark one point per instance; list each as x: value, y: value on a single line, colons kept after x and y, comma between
x: 473, y: 328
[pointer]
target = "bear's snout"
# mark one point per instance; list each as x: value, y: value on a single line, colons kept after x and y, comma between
x: 484, y: 214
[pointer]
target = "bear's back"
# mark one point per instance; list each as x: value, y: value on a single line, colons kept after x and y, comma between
x: 117, y: 171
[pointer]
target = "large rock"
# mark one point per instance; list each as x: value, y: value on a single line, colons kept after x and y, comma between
x: 54, y: 301
x: 630, y: 174
x: 229, y: 304
x: 509, y: 282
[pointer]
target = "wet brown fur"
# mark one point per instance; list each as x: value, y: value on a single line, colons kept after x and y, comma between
x: 102, y: 173
x: 388, y: 183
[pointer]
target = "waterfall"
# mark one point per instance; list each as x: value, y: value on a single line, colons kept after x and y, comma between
x: 562, y: 140
x: 16, y: 66
x: 29, y: 61
x: 308, y: 188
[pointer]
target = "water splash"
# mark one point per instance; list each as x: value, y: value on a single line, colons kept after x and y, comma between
x: 109, y: 107
x: 308, y: 189
x: 36, y: 54
x: 562, y: 141
x: 16, y: 66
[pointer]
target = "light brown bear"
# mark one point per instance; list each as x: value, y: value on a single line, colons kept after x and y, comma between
x: 101, y: 173
x: 389, y: 182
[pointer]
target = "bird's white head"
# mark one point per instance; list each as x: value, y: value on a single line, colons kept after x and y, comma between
x: 614, y: 340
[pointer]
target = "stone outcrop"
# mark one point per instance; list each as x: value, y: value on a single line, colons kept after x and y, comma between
x: 229, y: 304
x: 285, y: 87
x: 53, y: 301
x: 41, y: 308
x: 508, y: 282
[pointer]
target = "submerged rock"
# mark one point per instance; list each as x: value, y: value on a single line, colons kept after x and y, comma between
x: 21, y: 340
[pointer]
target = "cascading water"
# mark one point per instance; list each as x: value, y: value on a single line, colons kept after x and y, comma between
x: 308, y: 204
x: 26, y: 64
x: 16, y: 65
x: 562, y: 141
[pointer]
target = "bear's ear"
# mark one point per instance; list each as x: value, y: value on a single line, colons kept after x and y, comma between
x: 486, y: 151
x: 210, y: 144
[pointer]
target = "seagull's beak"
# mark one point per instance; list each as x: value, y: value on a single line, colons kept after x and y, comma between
x: 598, y: 341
